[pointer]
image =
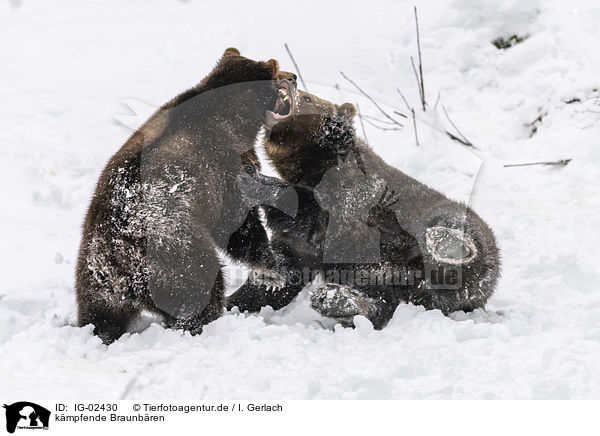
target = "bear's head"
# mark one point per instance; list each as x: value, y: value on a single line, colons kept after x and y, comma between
x: 307, y: 135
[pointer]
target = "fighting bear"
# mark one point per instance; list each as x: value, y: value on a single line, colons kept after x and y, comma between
x: 172, y: 195
x: 297, y: 242
x: 365, y: 216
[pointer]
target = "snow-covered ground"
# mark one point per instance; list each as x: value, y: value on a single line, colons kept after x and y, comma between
x: 67, y: 67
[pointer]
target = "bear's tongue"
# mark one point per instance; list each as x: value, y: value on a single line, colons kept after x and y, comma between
x: 284, y: 105
x: 281, y: 108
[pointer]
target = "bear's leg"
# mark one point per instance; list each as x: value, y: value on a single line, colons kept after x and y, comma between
x: 249, y: 297
x: 250, y: 244
x: 252, y: 296
x: 211, y: 312
x: 110, y: 320
x: 186, y: 281
x: 343, y: 303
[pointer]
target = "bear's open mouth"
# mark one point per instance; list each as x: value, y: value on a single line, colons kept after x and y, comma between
x: 284, y: 104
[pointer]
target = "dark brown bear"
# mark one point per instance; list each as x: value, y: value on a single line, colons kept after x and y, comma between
x: 297, y: 242
x: 364, y: 216
x: 171, y: 196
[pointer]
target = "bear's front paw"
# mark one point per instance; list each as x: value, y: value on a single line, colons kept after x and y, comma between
x: 340, y: 302
x: 270, y: 279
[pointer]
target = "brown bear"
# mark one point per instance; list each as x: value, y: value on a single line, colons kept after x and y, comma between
x: 296, y: 241
x: 438, y: 252
x: 173, y: 195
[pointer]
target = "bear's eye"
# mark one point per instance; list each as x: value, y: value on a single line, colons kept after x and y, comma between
x: 307, y: 99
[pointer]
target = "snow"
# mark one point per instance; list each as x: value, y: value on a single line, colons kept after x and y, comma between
x: 71, y: 71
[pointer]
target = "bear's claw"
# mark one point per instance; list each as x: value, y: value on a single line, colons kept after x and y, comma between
x: 340, y: 302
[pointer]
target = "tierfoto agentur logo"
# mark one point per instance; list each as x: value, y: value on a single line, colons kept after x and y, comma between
x: 26, y: 415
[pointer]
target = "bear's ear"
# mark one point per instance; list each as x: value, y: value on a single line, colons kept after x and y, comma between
x: 273, y: 67
x: 231, y: 51
x: 347, y: 110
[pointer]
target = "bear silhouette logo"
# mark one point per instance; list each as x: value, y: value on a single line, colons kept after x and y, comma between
x: 26, y: 415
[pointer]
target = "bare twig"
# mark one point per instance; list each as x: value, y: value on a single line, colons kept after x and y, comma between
x: 447, y: 133
x: 360, y: 117
x: 415, y: 126
x: 463, y: 139
x: 296, y: 66
x: 437, y: 100
x: 359, y: 161
x: 380, y: 127
x: 456, y: 138
x: 370, y: 99
x: 367, y: 119
x: 562, y: 162
x: 404, y: 99
x: 588, y: 111
x: 420, y: 61
x: 377, y: 119
x: 421, y: 96
x: 400, y: 114
x: 537, y: 120
x: 413, y: 115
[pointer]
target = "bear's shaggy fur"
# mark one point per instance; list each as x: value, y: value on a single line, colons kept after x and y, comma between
x: 358, y: 207
x: 297, y: 242
x: 170, y: 197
